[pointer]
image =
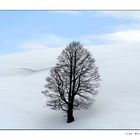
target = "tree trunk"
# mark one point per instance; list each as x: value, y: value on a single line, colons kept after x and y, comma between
x: 70, y: 117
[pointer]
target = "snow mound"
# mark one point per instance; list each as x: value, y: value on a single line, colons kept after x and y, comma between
x: 117, y: 106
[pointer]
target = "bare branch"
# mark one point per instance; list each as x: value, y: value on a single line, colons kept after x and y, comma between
x: 73, y: 81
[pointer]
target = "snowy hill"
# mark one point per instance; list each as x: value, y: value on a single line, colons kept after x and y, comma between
x: 117, y: 106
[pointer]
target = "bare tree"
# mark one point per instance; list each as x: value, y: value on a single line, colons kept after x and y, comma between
x: 73, y: 81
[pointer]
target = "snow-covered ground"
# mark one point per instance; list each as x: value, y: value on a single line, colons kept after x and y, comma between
x: 117, y: 106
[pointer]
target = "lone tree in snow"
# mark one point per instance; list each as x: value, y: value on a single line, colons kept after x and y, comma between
x: 73, y: 80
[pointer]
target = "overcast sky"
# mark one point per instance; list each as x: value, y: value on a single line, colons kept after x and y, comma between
x: 27, y: 30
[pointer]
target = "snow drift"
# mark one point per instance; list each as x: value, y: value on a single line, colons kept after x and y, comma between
x: 117, y: 106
